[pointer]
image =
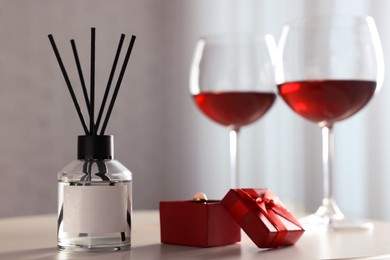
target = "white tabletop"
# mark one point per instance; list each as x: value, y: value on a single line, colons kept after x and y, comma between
x: 35, y: 238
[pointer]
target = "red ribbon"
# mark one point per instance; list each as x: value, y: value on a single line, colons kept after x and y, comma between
x: 270, y: 206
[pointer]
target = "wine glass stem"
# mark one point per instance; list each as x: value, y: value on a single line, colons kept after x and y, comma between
x: 329, y: 208
x: 233, y: 138
x: 327, y: 160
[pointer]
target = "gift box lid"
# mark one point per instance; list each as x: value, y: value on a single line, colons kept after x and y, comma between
x: 263, y: 217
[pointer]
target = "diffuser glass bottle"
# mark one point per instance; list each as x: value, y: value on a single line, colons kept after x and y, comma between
x: 94, y: 191
x: 94, y: 199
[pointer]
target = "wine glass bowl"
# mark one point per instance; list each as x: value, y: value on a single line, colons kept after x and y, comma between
x: 327, y: 101
x: 328, y: 69
x: 232, y: 82
x: 234, y: 109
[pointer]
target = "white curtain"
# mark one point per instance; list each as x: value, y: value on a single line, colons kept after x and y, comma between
x: 172, y: 149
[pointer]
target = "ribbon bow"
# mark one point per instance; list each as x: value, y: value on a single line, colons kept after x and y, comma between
x: 269, y: 203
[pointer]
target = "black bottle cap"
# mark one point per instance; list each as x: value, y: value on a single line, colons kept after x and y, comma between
x: 95, y: 147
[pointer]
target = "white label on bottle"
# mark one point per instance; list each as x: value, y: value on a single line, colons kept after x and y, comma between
x: 95, y: 209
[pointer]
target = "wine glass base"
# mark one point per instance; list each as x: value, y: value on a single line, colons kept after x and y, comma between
x: 329, y: 217
x: 316, y: 222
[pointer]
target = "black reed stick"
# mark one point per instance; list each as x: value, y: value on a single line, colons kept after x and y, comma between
x: 109, y: 83
x: 70, y: 88
x: 90, y: 101
x: 116, y: 90
x: 80, y: 71
x: 92, y: 84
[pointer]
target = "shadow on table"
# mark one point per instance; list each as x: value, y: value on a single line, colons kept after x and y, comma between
x: 165, y: 251
x: 234, y: 251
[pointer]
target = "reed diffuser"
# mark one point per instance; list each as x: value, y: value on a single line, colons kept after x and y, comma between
x: 94, y: 191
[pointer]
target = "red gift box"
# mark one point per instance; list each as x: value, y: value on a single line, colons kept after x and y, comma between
x: 192, y: 223
x: 263, y: 217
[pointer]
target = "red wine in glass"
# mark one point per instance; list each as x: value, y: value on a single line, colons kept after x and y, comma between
x: 327, y: 101
x: 234, y: 109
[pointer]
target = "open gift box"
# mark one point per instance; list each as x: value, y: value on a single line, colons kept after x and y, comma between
x: 197, y: 223
x: 263, y: 217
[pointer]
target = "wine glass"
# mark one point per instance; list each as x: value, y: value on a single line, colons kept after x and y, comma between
x: 232, y: 82
x: 328, y: 69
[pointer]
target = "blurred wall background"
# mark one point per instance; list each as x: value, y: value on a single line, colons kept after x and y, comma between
x: 171, y: 148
